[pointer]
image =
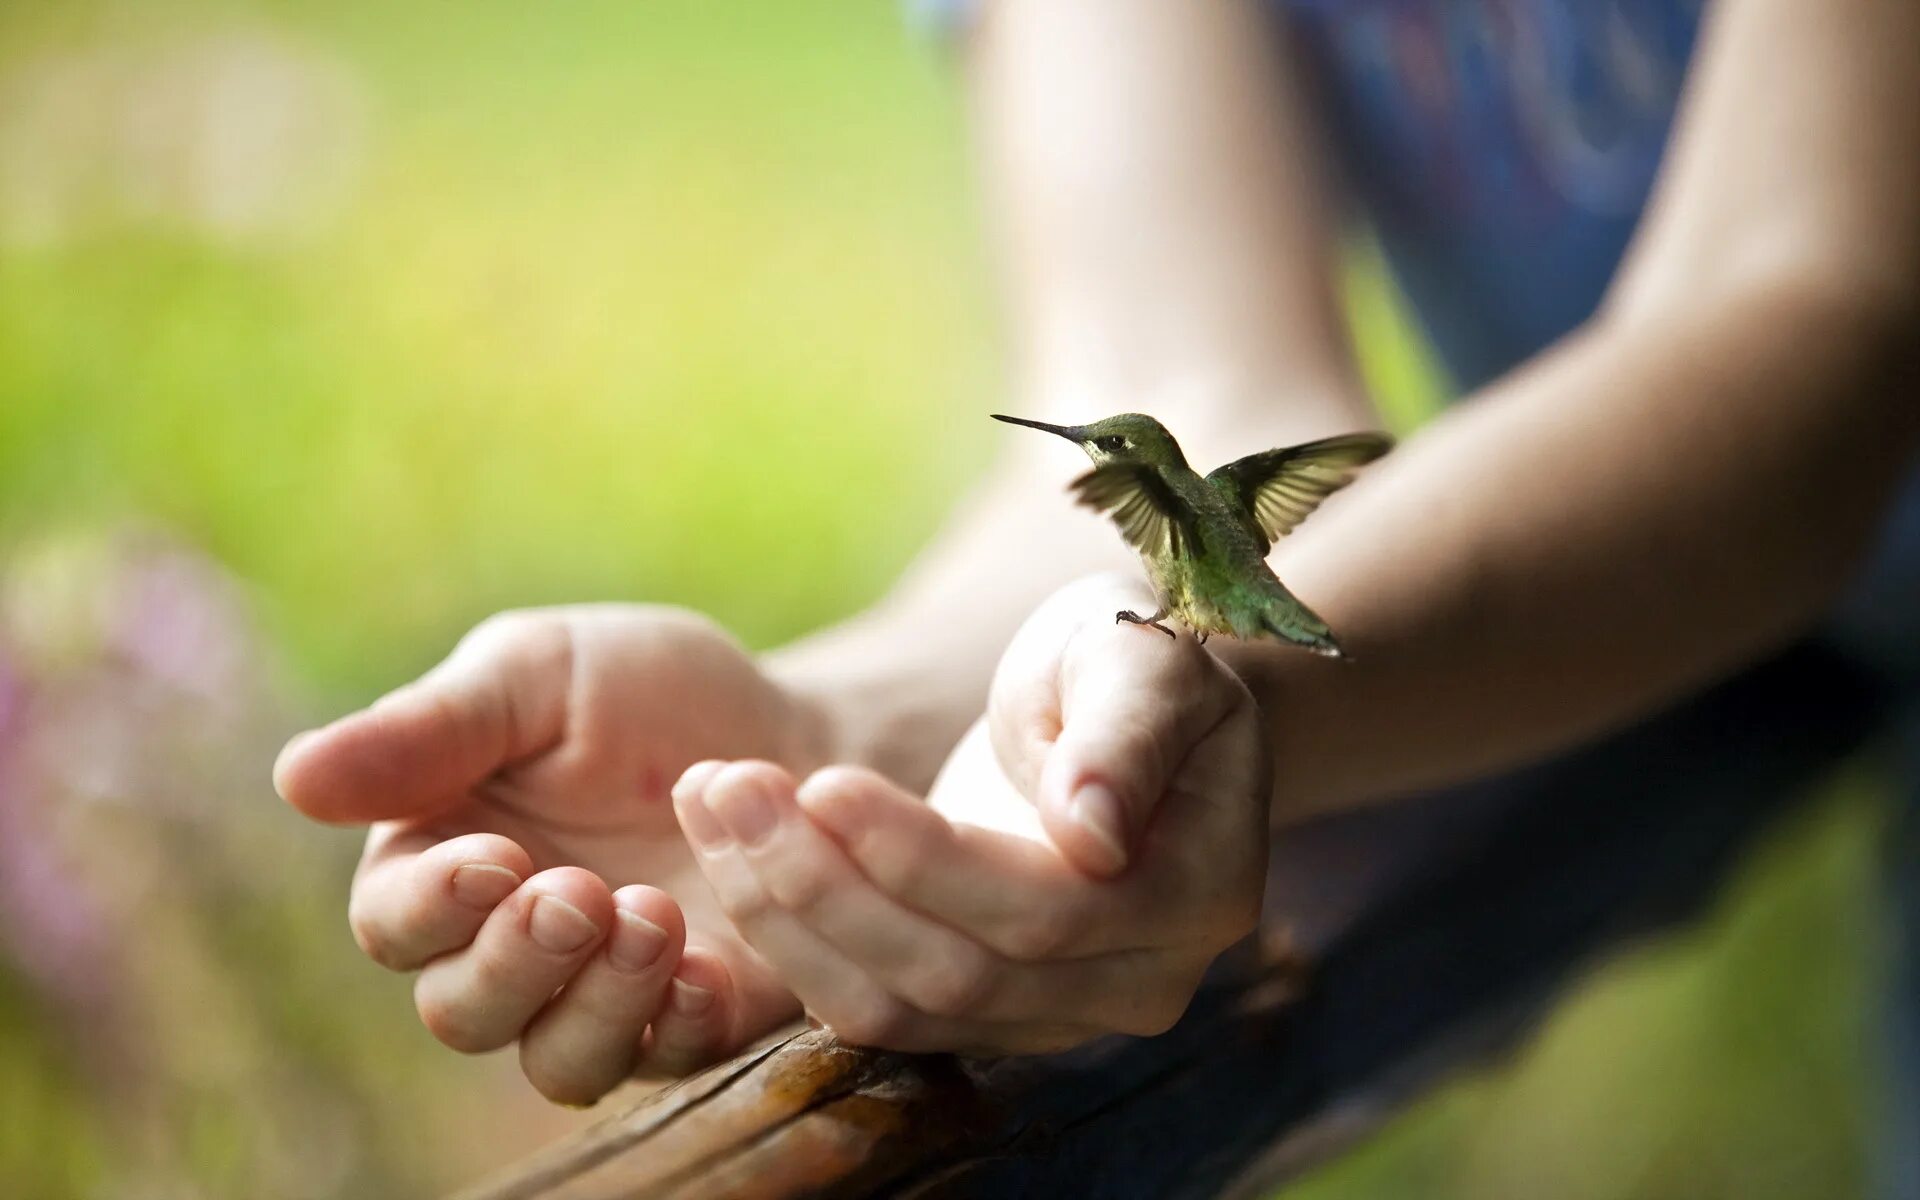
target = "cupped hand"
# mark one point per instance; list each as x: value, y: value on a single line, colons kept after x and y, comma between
x: 1089, y: 848
x: 523, y: 856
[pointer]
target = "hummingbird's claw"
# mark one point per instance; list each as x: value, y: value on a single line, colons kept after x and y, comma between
x: 1134, y: 618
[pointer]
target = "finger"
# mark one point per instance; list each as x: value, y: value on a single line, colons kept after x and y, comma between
x: 1024, y: 700
x: 697, y: 776
x: 846, y: 999
x: 1132, y: 710
x: 416, y: 897
x: 831, y: 988
x: 1204, y: 857
x: 1036, y: 906
x: 500, y: 696
x: 480, y: 998
x: 792, y: 865
x: 1088, y: 719
x: 927, y: 964
x: 694, y: 1027
x: 587, y: 1040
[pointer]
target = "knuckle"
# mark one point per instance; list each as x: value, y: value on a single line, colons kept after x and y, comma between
x: 552, y: 1078
x: 673, y: 620
x: 745, y: 902
x: 505, y: 627
x: 371, y: 937
x: 799, y: 883
x: 688, y: 647
x: 1141, y: 741
x: 606, y: 1009
x: 452, y: 1025
x: 1043, y: 932
x: 955, y: 986
x: 1187, y: 666
x: 895, y: 863
x: 533, y: 637
x: 1023, y: 703
x: 492, y: 976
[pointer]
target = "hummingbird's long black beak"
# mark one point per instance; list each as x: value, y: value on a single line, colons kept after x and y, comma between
x: 1069, y: 432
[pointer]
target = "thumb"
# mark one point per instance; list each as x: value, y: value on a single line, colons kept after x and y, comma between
x: 1134, y: 704
x: 498, y: 698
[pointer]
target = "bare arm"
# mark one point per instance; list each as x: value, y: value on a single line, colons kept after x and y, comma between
x: 1162, y: 253
x: 1679, y: 485
x: 1684, y: 482
x: 1165, y: 247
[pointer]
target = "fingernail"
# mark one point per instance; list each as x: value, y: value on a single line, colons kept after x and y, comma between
x: 637, y: 942
x: 699, y: 823
x: 694, y: 780
x: 483, y: 885
x: 746, y: 811
x: 559, y: 926
x: 1098, y: 811
x: 690, y: 999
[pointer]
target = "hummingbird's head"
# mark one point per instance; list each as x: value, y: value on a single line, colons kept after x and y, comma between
x: 1127, y: 438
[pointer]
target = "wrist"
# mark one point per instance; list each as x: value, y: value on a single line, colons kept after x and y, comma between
x: 1292, y: 692
x: 854, y: 704
x: 815, y: 720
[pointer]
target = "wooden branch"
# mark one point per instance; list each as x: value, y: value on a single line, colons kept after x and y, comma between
x: 1402, y: 942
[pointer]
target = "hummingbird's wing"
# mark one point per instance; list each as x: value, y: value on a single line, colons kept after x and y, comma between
x: 1279, y: 488
x: 1150, y: 516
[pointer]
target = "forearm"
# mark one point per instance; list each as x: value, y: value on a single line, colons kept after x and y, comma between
x: 901, y: 681
x: 1647, y: 506
x: 1157, y: 202
x: 1164, y: 248
x: 1677, y: 487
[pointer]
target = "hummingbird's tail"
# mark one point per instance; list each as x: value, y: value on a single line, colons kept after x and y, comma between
x: 1316, y: 638
x: 1283, y: 616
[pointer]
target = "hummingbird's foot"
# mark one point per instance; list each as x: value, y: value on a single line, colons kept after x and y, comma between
x: 1134, y: 618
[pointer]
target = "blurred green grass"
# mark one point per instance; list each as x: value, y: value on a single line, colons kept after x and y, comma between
x: 683, y: 302
x: 655, y: 301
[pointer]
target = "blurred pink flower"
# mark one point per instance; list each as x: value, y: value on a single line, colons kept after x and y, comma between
x: 52, y: 928
x: 130, y: 681
x: 180, y: 624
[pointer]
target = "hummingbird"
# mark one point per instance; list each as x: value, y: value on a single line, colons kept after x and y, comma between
x: 1205, y: 540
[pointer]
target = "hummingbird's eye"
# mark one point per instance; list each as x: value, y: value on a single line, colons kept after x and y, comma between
x: 1112, y: 444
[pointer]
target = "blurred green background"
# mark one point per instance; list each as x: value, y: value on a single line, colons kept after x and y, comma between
x: 326, y: 330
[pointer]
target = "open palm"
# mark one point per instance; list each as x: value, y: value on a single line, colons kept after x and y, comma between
x: 523, y: 852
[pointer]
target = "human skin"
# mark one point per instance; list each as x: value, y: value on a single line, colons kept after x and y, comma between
x: 522, y: 844
x: 1678, y: 486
